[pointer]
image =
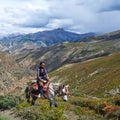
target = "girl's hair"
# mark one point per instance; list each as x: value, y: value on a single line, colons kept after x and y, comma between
x: 41, y: 63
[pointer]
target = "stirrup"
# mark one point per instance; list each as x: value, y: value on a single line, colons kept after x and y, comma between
x: 39, y: 95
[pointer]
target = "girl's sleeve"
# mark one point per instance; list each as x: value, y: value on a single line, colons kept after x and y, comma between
x: 46, y: 73
x: 38, y: 74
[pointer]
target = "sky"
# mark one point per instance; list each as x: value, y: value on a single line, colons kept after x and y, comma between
x: 79, y: 16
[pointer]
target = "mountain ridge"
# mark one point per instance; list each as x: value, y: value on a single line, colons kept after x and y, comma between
x: 57, y: 55
x: 39, y: 39
x: 115, y: 35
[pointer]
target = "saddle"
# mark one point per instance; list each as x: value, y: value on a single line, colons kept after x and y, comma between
x: 45, y: 88
x: 35, y: 86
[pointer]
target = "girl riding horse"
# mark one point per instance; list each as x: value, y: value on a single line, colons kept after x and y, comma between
x: 52, y: 90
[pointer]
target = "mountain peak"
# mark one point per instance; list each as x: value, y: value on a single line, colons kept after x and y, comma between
x: 59, y: 29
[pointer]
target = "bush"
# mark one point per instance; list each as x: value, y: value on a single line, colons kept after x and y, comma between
x: 7, y: 102
x: 42, y: 112
x: 116, y: 101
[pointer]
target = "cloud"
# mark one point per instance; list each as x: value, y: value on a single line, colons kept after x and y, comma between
x: 75, y: 15
x: 35, y: 19
x: 111, y: 5
x: 59, y: 23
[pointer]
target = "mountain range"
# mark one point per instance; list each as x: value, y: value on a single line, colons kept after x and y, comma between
x: 18, y: 42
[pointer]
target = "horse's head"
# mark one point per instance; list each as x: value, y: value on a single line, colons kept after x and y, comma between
x: 61, y: 90
x: 64, y: 91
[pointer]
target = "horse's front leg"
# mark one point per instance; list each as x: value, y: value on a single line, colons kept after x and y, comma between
x: 52, y: 100
x: 53, y: 103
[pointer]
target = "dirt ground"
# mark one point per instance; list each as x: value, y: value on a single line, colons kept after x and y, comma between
x: 9, y: 114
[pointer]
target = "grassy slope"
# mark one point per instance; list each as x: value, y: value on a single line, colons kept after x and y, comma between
x: 91, y: 77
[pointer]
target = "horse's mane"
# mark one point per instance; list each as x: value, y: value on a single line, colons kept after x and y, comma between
x: 54, y: 86
x: 55, y: 83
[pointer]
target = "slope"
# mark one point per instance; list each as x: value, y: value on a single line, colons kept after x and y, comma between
x: 93, y: 77
x: 10, y: 73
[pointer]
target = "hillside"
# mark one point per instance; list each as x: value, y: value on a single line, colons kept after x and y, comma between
x: 88, y: 82
x: 94, y: 77
x: 64, y: 53
x: 92, y: 70
x: 11, y: 74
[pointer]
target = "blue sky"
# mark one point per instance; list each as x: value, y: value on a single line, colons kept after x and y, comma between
x: 80, y: 16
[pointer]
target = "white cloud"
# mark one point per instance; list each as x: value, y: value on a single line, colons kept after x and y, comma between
x: 73, y: 15
x: 62, y: 23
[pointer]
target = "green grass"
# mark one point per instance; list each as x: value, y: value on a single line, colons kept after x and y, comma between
x: 4, y: 118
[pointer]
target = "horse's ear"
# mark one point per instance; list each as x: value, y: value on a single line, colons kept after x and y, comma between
x: 67, y: 86
x: 59, y: 81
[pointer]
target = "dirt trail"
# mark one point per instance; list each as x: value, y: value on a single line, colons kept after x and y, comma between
x: 70, y: 115
x: 9, y: 114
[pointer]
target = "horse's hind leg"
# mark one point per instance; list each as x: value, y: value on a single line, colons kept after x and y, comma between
x: 28, y: 97
x: 27, y: 92
x: 33, y: 100
x: 55, y: 104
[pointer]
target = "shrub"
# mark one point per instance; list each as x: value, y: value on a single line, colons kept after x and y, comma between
x: 22, y: 105
x: 116, y: 101
x: 7, y: 102
x: 42, y: 112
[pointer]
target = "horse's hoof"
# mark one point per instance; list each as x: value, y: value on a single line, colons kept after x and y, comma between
x: 65, y: 100
x: 28, y: 101
x: 56, y: 105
